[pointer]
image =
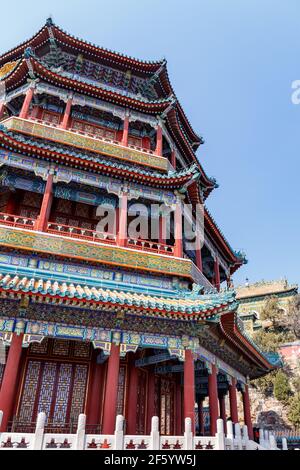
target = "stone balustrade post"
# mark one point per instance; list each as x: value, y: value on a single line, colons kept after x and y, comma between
x: 119, y: 433
x: 273, y: 443
x: 220, y: 435
x: 39, y: 431
x: 188, y: 434
x: 80, y: 433
x: 154, y: 434
x: 245, y: 436
x: 266, y: 439
x: 238, y: 436
x: 230, y: 434
x: 284, y: 444
x: 261, y: 437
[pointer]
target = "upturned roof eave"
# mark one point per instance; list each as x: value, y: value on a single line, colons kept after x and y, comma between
x: 229, y: 327
x: 11, y: 140
x: 145, y: 66
x: 169, y: 91
x: 38, y: 39
x: 17, y: 52
x: 186, y: 307
x: 235, y: 261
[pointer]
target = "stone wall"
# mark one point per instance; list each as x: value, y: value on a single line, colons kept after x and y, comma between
x: 267, y: 411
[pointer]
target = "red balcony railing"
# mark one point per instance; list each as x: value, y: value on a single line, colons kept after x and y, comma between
x: 106, y: 139
x: 146, y: 245
x: 86, y: 234
x: 43, y: 121
x: 90, y: 134
x: 17, y: 221
x: 81, y: 232
x: 96, y: 236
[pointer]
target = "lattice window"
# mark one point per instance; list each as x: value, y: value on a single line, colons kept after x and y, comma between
x: 141, y: 402
x: 29, y: 391
x: 60, y: 220
x: 62, y: 393
x: 28, y: 212
x: 61, y: 347
x: 78, y: 126
x: 32, y: 199
x: 82, y: 349
x: 51, y: 117
x: 135, y: 141
x: 81, y: 210
x: 167, y: 391
x: 86, y: 225
x: 30, y: 205
x: 57, y: 388
x: 64, y: 206
x: 74, y: 222
x: 95, y: 130
x: 157, y: 396
x: 47, y: 388
x: 3, y: 201
x: 121, y: 390
x: 40, y: 348
x: 78, y: 393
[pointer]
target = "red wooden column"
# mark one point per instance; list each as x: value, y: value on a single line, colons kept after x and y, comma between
x: 2, y: 109
x: 233, y: 401
x: 26, y: 103
x: 162, y: 228
x: 94, y: 395
x: 247, y: 411
x: 67, y: 113
x: 217, y: 273
x: 178, y: 409
x: 111, y: 390
x: 159, y: 140
x: 9, y: 380
x: 125, y: 130
x: 150, y: 400
x: 123, y: 205
x: 43, y: 218
x: 178, y: 248
x: 189, y: 388
x: 173, y: 159
x: 116, y: 221
x: 213, y: 399
x: 132, y: 398
x: 200, y: 417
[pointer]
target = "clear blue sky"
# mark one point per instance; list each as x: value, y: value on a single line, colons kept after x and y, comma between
x: 231, y: 64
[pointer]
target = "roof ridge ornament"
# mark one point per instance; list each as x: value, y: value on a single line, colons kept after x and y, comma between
x: 173, y: 101
x: 156, y: 75
x: 28, y: 53
x: 49, y: 21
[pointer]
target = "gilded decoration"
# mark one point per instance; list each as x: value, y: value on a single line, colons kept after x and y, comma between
x: 88, y: 251
x: 6, y: 68
x: 86, y: 143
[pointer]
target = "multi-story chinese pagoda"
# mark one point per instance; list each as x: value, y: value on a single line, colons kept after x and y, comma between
x: 99, y: 322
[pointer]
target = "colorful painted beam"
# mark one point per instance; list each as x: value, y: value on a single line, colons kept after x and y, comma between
x: 94, y: 252
x: 73, y: 139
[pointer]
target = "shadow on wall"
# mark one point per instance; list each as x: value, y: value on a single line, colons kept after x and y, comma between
x: 270, y: 420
